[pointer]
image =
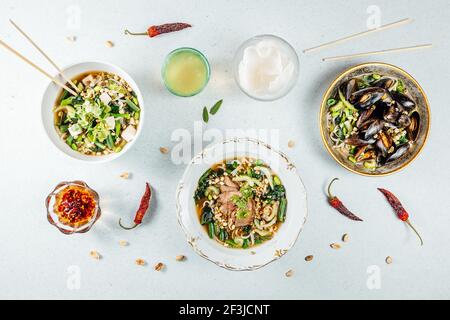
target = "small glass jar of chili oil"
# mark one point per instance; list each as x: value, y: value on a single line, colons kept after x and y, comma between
x: 73, y: 207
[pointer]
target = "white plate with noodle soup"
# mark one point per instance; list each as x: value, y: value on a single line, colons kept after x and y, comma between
x: 241, y: 204
x: 103, y: 121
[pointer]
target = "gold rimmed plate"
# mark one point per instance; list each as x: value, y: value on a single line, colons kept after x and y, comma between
x: 415, y: 92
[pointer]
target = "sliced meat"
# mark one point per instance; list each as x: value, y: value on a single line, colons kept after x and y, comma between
x: 230, y: 183
x: 228, y: 189
x: 249, y: 218
x: 225, y: 197
x: 228, y: 208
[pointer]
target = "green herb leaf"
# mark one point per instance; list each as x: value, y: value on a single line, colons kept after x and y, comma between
x: 331, y: 102
x: 216, y: 107
x: 205, y: 115
x: 400, y: 86
x: 132, y: 105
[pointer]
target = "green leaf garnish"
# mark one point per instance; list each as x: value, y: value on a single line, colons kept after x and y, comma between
x: 216, y: 107
x: 205, y: 115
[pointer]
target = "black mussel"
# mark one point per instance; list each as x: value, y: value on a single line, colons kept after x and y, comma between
x: 413, y: 128
x: 398, y: 153
x: 381, y: 160
x: 355, y: 140
x: 366, y: 124
x: 384, y: 143
x: 392, y: 112
x: 403, y: 100
x: 386, y: 140
x: 381, y: 147
x: 349, y: 87
x: 404, y: 120
x: 373, y: 129
x: 387, y: 83
x: 364, y: 116
x: 389, y: 125
x: 360, y: 151
x: 365, y: 98
x: 368, y: 155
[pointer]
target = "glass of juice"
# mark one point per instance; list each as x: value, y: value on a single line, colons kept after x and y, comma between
x: 185, y: 72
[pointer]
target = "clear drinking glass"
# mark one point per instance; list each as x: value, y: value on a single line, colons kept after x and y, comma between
x: 179, y: 62
x: 288, y: 51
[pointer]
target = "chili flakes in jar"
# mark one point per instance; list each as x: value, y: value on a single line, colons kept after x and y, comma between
x: 75, y: 206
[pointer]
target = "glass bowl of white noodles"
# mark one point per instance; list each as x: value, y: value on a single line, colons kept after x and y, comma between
x: 266, y: 67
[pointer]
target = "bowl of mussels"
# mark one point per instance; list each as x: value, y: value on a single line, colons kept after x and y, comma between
x: 374, y: 119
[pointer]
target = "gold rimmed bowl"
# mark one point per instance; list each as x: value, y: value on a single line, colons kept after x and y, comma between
x: 415, y: 92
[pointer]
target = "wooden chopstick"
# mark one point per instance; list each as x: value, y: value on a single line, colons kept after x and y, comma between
x: 360, y: 34
x: 44, y: 54
x: 372, y: 53
x: 37, y: 68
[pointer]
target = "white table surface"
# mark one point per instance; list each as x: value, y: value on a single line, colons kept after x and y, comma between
x: 36, y: 259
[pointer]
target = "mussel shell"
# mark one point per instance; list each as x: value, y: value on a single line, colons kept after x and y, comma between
x: 373, y: 129
x: 386, y: 140
x: 392, y: 112
x: 364, y: 116
x: 368, y: 155
x: 355, y: 140
x: 404, y: 100
x: 413, y: 128
x: 404, y: 120
x: 381, y: 147
x: 387, y: 83
x: 398, y: 153
x: 365, y: 98
x: 349, y: 87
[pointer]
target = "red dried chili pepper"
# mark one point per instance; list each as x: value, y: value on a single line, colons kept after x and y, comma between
x: 339, y: 206
x: 402, y: 214
x: 154, y: 31
x: 143, y: 207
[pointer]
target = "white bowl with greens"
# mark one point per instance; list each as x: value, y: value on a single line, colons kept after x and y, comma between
x: 239, y: 245
x: 103, y: 121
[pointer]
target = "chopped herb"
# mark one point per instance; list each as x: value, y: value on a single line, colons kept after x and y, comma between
x: 400, y: 86
x: 331, y: 102
x: 205, y: 115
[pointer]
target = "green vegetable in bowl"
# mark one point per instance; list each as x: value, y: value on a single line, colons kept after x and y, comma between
x: 102, y: 119
x: 240, y: 202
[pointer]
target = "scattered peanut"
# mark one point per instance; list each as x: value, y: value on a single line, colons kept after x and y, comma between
x: 345, y: 237
x: 180, y: 257
x: 164, y: 150
x: 335, y: 246
x: 388, y: 259
x: 291, y: 143
x: 109, y: 44
x: 125, y: 175
x: 289, y: 273
x: 94, y: 254
x: 309, y: 258
x: 159, y: 266
x: 140, y: 262
x: 123, y: 243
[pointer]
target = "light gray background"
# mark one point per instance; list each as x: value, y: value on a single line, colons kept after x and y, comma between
x: 34, y: 256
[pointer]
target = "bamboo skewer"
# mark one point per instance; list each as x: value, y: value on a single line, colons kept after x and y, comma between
x: 37, y: 68
x: 364, y: 54
x: 45, y: 55
x: 360, y: 34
